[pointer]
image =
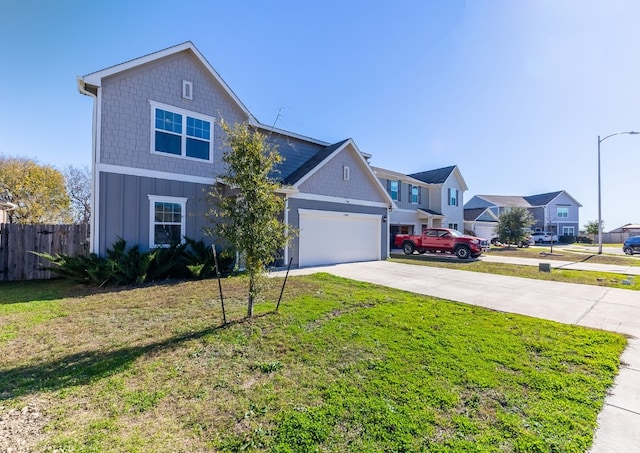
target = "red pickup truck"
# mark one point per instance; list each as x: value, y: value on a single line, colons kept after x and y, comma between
x: 442, y: 240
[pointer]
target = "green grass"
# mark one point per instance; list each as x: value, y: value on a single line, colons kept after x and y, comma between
x: 342, y: 367
x: 607, y: 279
x: 564, y: 254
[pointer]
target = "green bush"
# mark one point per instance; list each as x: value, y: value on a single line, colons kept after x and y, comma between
x: 567, y: 239
x: 130, y: 266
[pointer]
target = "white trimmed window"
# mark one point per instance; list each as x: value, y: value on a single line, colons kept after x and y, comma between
x: 568, y: 231
x: 563, y: 212
x: 394, y: 190
x: 415, y: 194
x: 181, y: 133
x: 167, y: 220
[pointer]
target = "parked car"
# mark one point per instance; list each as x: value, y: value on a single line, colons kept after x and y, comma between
x: 631, y: 245
x: 544, y: 236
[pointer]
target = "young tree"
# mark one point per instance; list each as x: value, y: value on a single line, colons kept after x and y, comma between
x: 513, y: 224
x: 38, y: 191
x: 591, y: 227
x: 245, y: 208
x: 78, y: 183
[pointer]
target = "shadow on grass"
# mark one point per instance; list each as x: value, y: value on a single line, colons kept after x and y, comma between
x: 61, y: 288
x: 84, y: 367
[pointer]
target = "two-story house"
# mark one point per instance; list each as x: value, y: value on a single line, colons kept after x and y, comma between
x: 431, y: 198
x: 555, y: 212
x: 157, y: 149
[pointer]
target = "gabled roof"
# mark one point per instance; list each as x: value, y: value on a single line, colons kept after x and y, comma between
x: 302, y: 156
x: 94, y: 80
x: 291, y: 174
x: 394, y: 175
x: 440, y: 176
x: 429, y: 213
x: 437, y: 176
x: 470, y: 215
x: 505, y: 200
x: 530, y: 201
x: 542, y: 199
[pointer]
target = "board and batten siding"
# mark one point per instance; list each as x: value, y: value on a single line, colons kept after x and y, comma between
x: 126, y: 208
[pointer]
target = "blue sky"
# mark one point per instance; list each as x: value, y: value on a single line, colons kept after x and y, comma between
x: 513, y: 92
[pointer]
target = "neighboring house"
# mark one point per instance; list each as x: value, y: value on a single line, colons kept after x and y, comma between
x: 555, y: 212
x: 421, y: 200
x: 5, y: 206
x: 631, y: 228
x: 157, y: 149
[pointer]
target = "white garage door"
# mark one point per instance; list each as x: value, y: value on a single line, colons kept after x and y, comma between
x: 485, y: 231
x: 328, y: 237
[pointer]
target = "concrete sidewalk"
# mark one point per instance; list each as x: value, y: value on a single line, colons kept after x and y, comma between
x: 616, y: 310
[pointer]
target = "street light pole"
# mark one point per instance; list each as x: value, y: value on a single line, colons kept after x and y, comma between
x: 600, y: 187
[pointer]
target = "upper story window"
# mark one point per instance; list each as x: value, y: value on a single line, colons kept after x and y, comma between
x: 453, y: 197
x: 415, y: 194
x: 563, y: 212
x: 181, y: 133
x: 394, y: 190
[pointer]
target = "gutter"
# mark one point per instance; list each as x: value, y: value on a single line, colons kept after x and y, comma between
x: 93, y: 231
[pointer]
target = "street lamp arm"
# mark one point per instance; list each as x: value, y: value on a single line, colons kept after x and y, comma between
x: 600, y: 140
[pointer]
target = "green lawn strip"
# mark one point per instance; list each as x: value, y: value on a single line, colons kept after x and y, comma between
x: 563, y: 254
x: 608, y: 279
x: 344, y: 366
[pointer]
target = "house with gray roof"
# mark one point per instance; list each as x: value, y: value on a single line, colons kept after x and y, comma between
x: 427, y: 199
x: 158, y: 146
x: 555, y: 212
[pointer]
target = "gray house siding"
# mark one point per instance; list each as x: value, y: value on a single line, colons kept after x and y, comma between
x: 329, y: 179
x: 126, y: 113
x: 405, y: 198
x: 294, y: 220
x: 126, y: 207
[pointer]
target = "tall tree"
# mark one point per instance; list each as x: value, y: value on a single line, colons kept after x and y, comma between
x: 78, y: 183
x: 245, y: 208
x: 513, y: 224
x: 38, y: 191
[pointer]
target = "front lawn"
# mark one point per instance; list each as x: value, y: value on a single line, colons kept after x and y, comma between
x: 343, y: 367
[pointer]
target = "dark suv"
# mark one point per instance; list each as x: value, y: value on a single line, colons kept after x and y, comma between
x: 631, y: 245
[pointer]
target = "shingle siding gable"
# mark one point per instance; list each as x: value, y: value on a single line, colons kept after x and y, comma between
x: 329, y: 179
x: 126, y: 113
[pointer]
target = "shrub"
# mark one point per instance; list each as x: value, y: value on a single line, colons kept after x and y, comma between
x: 130, y: 266
x: 567, y: 239
x: 584, y: 240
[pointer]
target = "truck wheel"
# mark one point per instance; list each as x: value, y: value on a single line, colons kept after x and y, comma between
x: 463, y: 252
x: 408, y: 248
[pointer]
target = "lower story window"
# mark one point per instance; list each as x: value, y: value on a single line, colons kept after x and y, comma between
x: 453, y: 226
x: 167, y: 220
x: 568, y: 231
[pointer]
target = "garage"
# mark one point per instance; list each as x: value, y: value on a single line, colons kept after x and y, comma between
x: 486, y: 231
x: 330, y: 237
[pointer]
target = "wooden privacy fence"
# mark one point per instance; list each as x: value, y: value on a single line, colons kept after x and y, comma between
x: 17, y: 242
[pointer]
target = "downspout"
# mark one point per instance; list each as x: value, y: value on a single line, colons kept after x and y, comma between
x: 93, y: 230
x: 286, y: 222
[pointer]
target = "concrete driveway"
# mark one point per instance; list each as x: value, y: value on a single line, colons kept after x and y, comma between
x: 616, y: 310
